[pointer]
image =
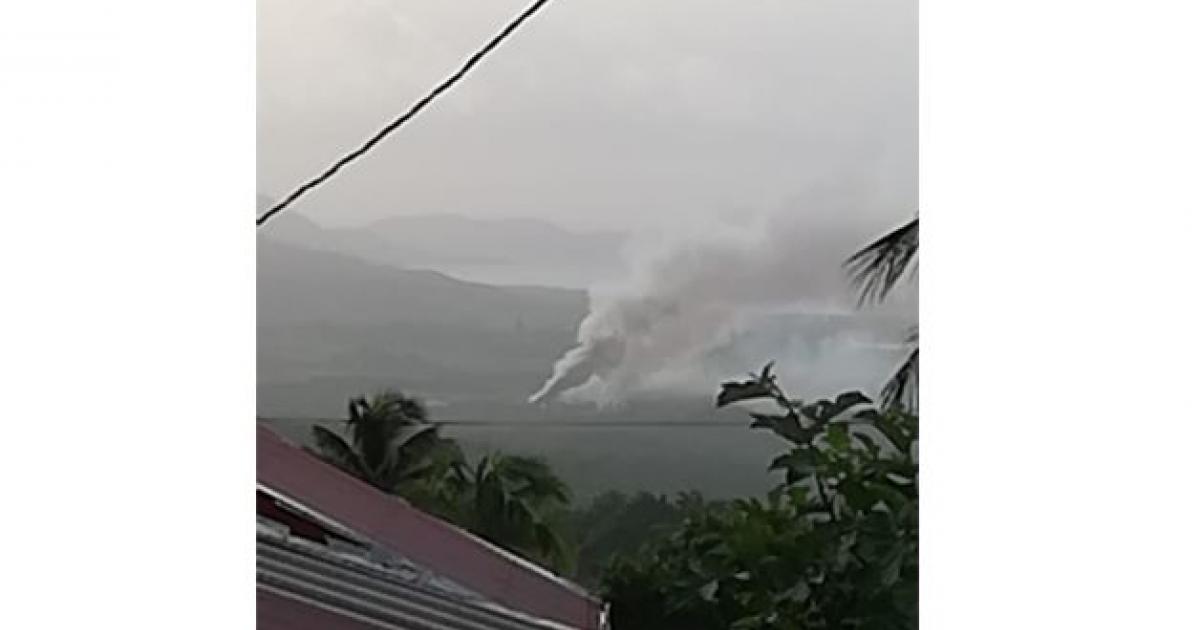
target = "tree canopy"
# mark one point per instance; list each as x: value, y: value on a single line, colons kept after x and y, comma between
x: 390, y: 443
x: 834, y: 545
x: 509, y: 500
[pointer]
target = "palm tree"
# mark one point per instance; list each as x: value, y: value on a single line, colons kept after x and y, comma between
x: 874, y: 271
x: 392, y: 445
x: 510, y: 501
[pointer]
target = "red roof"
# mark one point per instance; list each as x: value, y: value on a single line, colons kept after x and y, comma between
x: 280, y: 612
x: 423, y: 539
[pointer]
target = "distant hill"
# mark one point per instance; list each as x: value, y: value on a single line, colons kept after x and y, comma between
x: 297, y: 284
x: 505, y: 251
x: 458, y: 239
x: 336, y: 319
x: 331, y: 326
x: 294, y: 228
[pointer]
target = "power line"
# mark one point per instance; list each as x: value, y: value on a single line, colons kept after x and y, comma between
x: 392, y: 126
x: 552, y: 424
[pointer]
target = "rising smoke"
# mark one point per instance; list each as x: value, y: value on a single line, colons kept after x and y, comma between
x: 691, y: 298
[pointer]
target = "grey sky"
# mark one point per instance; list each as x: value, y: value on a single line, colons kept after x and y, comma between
x: 623, y: 113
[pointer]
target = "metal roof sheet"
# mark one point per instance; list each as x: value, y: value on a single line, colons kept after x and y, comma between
x: 404, y: 530
x: 315, y: 576
x: 279, y: 611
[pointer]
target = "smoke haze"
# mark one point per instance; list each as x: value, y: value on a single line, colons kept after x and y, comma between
x: 690, y: 299
x: 747, y: 147
x: 737, y: 151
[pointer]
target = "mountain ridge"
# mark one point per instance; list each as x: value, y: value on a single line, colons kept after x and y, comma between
x: 458, y: 242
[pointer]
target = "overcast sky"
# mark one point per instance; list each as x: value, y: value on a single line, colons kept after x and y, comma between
x: 597, y: 113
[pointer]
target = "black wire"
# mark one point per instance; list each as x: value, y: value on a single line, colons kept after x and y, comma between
x: 392, y: 126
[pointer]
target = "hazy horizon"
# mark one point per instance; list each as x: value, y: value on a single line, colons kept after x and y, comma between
x: 597, y: 115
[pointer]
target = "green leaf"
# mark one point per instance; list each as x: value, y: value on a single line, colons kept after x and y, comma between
x: 890, y: 572
x: 847, y: 400
x: 708, y: 592
x: 867, y: 415
x: 802, y: 459
x: 732, y: 392
x: 746, y: 623
x: 838, y: 437
x: 869, y: 443
x: 799, y: 592
x: 759, y: 386
x: 786, y: 426
x: 858, y: 497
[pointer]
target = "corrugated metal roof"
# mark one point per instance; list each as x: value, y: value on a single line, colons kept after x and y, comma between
x: 280, y: 611
x: 311, y: 575
x: 399, y: 528
x: 365, y: 559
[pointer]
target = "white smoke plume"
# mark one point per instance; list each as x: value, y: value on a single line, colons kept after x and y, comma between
x: 689, y: 299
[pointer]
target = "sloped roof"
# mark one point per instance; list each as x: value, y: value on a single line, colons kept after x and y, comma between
x: 312, y: 576
x: 277, y: 611
x: 410, y: 533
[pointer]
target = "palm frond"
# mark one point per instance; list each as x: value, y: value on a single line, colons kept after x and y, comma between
x: 900, y: 391
x: 549, y: 544
x: 534, y: 480
x: 377, y: 424
x: 333, y: 449
x: 544, y: 491
x: 875, y: 269
x: 418, y: 443
x: 403, y: 408
x: 417, y: 454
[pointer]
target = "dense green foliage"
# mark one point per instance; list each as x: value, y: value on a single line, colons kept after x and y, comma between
x: 392, y: 445
x: 616, y: 524
x: 833, y: 546
x: 512, y: 501
x: 508, y: 500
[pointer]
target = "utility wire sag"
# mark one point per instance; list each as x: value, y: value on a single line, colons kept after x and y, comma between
x: 413, y: 111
